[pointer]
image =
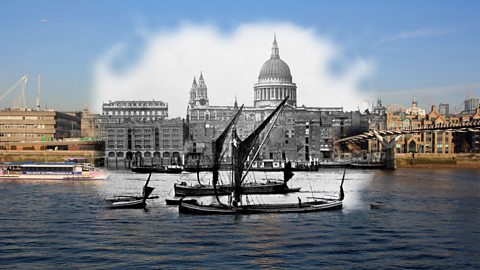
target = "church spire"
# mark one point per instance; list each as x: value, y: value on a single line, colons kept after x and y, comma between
x: 275, y: 53
x: 194, y: 81
x: 200, y: 80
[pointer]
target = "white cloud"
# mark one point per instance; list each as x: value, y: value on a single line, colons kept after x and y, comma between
x: 230, y: 63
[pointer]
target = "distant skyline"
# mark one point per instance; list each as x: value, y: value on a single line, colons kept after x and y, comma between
x: 392, y: 50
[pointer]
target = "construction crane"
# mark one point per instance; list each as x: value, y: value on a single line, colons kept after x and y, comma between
x: 22, y: 83
x: 460, y: 107
x: 37, y: 103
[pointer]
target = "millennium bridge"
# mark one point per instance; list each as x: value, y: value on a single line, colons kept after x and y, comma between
x: 388, y: 138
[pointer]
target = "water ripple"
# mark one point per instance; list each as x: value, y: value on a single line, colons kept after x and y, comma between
x: 430, y: 220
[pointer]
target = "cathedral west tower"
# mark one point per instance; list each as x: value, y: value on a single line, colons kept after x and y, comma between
x: 198, y: 94
x: 274, y: 82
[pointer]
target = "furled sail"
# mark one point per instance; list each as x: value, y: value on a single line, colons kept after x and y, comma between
x: 146, y: 189
x: 241, y: 150
x: 287, y: 172
x: 342, y: 194
x: 217, y: 146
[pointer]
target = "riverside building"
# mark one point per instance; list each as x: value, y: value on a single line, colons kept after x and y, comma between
x: 26, y: 125
x: 138, y: 133
x: 44, y: 135
x: 303, y: 135
x: 90, y: 125
x: 433, y: 142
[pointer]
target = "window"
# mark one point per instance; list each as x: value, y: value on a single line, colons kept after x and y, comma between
x: 146, y: 144
x: 166, y: 144
x: 176, y: 144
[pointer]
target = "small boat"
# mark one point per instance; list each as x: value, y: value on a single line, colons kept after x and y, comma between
x: 267, y: 187
x: 133, y: 201
x: 298, y: 168
x: 49, y: 171
x: 377, y: 205
x: 192, y: 168
x: 334, y: 164
x: 316, y: 206
x: 240, y: 152
x: 266, y: 169
x: 173, y: 169
x: 123, y: 198
x: 206, y: 168
x: 367, y: 165
x: 177, y: 200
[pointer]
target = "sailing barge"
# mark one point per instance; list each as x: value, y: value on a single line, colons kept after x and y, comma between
x: 268, y: 187
x: 182, y: 189
x: 240, y: 152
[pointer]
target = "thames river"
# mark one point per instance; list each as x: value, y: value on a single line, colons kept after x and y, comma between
x: 427, y: 219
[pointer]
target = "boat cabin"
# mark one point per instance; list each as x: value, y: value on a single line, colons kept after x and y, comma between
x: 66, y: 168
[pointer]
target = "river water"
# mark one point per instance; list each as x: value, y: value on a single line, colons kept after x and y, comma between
x: 430, y: 219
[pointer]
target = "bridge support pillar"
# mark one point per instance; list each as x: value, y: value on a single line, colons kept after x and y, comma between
x: 389, y: 150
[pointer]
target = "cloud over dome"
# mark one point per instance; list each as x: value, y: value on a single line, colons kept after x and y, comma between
x: 230, y: 61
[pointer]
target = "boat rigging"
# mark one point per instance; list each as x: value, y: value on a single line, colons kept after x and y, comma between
x: 240, y: 152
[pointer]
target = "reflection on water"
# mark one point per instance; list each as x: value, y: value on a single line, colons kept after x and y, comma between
x: 430, y: 220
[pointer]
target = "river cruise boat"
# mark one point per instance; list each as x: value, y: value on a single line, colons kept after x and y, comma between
x: 48, y: 171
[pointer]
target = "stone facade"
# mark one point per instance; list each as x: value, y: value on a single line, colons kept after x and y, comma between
x: 136, y: 110
x: 137, y: 133
x: 90, y: 125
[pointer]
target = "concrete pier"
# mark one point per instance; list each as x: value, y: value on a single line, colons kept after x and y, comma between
x: 388, y: 146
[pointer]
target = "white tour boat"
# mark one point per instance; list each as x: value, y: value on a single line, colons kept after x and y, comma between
x: 49, y: 171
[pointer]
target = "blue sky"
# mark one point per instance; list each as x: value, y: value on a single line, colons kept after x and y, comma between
x: 417, y: 47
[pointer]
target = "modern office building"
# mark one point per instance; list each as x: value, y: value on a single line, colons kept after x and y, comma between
x: 471, y: 104
x: 444, y: 109
x: 25, y: 125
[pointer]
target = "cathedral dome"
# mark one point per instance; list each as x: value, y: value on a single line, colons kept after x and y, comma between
x: 275, y: 68
x: 274, y: 82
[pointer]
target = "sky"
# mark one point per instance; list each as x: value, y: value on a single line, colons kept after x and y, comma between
x: 340, y: 53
